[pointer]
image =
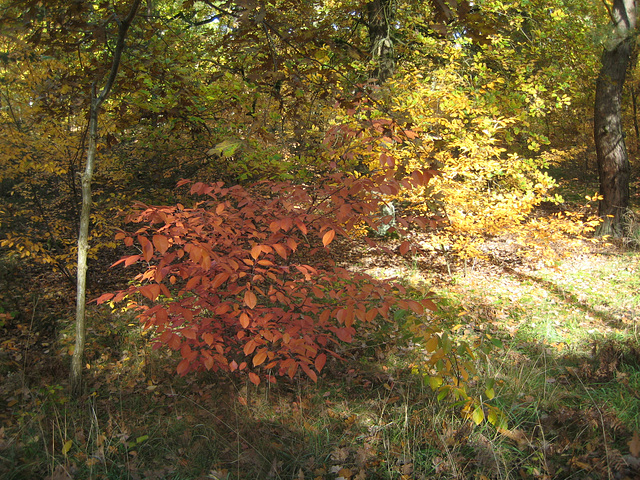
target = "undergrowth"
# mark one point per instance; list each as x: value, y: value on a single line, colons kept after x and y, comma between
x: 564, y: 371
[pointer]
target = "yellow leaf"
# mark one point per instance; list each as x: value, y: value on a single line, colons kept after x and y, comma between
x: 431, y: 344
x: 67, y: 446
x: 478, y: 415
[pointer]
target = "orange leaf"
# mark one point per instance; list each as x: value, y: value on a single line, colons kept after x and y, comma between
x: 250, y: 299
x: 161, y: 243
x: 327, y: 238
x: 244, y: 320
x: 280, y: 250
x: 150, y: 291
x: 415, y: 307
x: 219, y: 279
x: 310, y: 373
x: 183, y: 367
x: 147, y: 247
x: 301, y: 226
x: 371, y: 314
x: 131, y: 260
x: 255, y: 379
x: 256, y: 250
x: 429, y: 304
x: 320, y: 361
x: 249, y: 347
x: 260, y: 357
x: 104, y: 298
x: 192, y: 283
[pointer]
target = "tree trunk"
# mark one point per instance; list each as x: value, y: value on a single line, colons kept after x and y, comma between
x: 613, y: 161
x: 380, y: 17
x: 75, y: 378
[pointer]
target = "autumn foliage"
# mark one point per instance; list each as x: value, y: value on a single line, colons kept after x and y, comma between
x: 242, y: 281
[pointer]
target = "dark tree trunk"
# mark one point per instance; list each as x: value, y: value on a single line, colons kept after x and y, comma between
x: 613, y: 161
x: 380, y: 17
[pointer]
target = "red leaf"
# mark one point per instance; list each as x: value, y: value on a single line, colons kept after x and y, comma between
x: 162, y: 317
x: 189, y: 333
x: 404, y: 247
x: 327, y: 238
x: 345, y: 334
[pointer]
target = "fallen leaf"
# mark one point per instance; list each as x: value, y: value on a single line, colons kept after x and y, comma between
x: 634, y: 445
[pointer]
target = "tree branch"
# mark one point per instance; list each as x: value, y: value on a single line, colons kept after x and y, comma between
x: 117, y: 54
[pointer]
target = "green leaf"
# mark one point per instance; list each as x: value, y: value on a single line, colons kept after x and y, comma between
x: 226, y: 148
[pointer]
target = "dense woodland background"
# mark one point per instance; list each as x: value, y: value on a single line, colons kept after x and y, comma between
x: 353, y: 239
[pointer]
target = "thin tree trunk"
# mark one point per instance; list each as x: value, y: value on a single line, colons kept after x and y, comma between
x: 380, y: 17
x: 613, y: 160
x: 75, y: 378
x: 634, y: 105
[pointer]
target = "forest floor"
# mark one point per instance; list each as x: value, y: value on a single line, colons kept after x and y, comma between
x: 566, y: 375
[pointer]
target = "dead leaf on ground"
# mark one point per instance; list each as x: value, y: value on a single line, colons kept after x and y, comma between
x: 634, y: 445
x: 62, y: 472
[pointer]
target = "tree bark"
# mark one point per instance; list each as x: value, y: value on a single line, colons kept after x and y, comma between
x: 75, y: 378
x: 611, y: 150
x: 380, y: 18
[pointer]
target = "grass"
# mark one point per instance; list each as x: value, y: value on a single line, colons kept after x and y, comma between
x: 566, y: 380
